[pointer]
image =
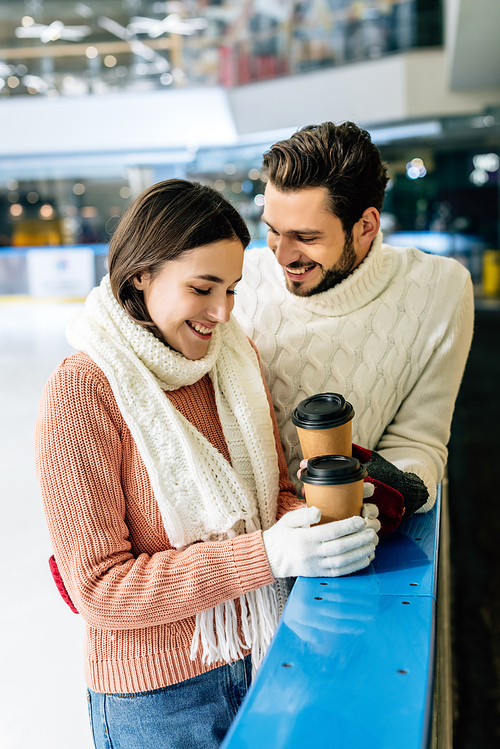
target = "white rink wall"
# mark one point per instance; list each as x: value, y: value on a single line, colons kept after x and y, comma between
x: 42, y: 690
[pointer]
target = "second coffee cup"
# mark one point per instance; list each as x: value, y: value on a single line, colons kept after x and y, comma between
x: 334, y: 483
x: 324, y: 425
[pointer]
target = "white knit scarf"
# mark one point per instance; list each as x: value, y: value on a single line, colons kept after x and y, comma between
x: 201, y: 496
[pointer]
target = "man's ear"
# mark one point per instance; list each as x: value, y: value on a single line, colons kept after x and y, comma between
x: 365, y: 231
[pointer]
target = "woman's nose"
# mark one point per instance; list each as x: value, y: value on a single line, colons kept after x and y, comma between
x: 220, y: 310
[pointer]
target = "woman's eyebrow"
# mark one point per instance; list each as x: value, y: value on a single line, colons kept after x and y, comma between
x: 213, y: 279
x: 207, y: 277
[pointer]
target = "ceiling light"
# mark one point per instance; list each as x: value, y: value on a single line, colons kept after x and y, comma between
x: 56, y: 30
x: 171, y: 24
x: 140, y: 49
x: 52, y: 32
x: 114, y: 28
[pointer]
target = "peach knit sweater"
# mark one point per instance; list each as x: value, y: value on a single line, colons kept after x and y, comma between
x: 138, y: 596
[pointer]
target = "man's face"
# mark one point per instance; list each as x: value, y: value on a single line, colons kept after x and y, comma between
x: 308, y: 240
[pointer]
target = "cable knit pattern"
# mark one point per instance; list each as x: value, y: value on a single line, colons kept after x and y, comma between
x: 392, y: 338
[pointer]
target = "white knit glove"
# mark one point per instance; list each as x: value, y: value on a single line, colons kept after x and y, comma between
x: 370, y: 511
x: 296, y: 550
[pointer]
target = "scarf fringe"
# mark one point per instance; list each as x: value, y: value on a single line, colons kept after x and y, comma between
x: 217, y: 628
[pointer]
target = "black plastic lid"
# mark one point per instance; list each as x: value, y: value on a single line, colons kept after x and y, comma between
x: 322, y: 411
x: 333, y: 469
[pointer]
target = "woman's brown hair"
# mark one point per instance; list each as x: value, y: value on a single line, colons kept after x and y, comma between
x: 166, y: 220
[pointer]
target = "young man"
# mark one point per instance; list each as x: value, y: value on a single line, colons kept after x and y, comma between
x: 333, y: 309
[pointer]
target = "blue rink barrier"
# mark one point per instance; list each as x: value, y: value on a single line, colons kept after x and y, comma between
x: 351, y: 664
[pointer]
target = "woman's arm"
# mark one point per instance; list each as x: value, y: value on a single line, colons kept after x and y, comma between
x: 80, y: 460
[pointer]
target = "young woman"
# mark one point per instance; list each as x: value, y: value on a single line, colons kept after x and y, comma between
x: 162, y: 477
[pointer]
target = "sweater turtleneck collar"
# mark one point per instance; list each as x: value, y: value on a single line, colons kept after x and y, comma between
x: 363, y: 285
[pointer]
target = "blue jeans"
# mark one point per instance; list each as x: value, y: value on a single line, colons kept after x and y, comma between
x: 194, y: 714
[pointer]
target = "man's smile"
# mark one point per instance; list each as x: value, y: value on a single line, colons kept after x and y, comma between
x: 299, y: 273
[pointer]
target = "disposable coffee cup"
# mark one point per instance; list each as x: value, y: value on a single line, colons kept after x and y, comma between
x: 334, y: 483
x: 324, y: 425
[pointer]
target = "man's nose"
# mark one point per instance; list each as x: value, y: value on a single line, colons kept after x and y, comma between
x: 283, y: 250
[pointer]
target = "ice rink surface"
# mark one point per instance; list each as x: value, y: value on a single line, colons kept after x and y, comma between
x: 42, y: 689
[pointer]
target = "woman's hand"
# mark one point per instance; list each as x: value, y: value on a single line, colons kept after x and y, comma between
x: 295, y: 549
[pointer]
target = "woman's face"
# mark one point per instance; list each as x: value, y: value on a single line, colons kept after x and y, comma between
x: 192, y: 294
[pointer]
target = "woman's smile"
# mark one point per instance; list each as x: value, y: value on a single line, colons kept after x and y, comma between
x: 203, y: 331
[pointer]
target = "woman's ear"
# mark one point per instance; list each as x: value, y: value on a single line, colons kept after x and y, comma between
x: 140, y: 280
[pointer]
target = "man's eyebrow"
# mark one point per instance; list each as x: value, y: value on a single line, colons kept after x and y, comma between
x: 296, y: 232
x: 213, y: 279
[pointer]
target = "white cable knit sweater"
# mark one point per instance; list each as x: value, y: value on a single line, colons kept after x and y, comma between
x: 393, y: 338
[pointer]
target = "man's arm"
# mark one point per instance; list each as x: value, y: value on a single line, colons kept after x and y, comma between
x: 415, y: 441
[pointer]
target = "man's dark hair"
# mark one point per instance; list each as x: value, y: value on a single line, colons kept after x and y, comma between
x: 341, y: 158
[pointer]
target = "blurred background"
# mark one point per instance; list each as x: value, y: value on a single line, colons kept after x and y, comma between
x: 100, y: 99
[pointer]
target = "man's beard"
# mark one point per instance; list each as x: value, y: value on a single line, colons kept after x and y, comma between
x: 332, y: 276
